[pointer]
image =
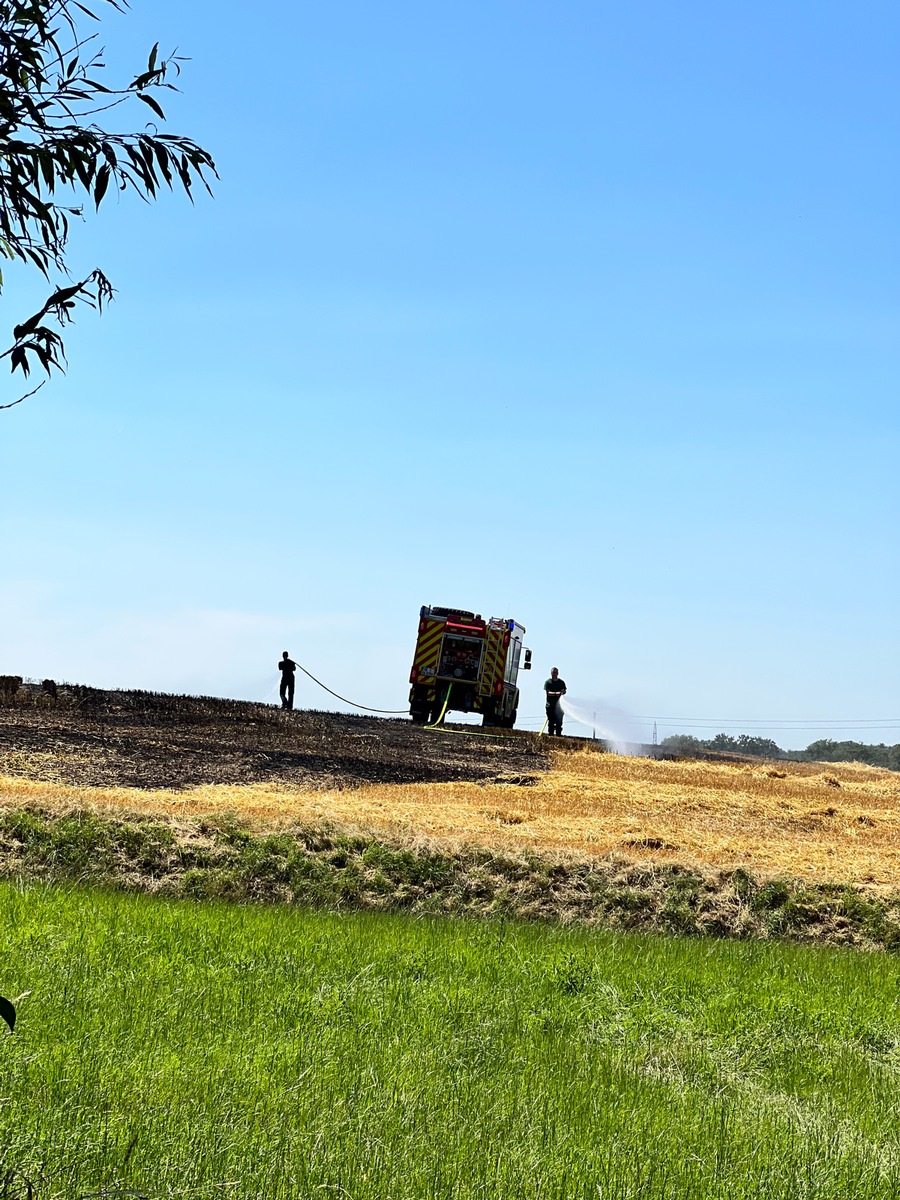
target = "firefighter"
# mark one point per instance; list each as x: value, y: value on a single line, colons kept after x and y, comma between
x: 555, y: 689
x: 287, y: 667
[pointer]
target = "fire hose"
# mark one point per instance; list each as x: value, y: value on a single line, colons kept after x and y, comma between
x: 391, y: 711
x: 398, y: 711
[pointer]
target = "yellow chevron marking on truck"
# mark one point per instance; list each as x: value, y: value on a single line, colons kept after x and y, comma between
x: 493, y: 659
x: 429, y: 645
x: 430, y: 639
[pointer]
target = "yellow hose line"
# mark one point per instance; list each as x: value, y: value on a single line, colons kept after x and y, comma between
x: 437, y: 727
x: 470, y: 732
x: 443, y: 710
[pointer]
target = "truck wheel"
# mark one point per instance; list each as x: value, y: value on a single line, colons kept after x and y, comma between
x: 418, y: 717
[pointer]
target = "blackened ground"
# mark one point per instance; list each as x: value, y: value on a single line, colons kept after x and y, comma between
x: 143, y: 739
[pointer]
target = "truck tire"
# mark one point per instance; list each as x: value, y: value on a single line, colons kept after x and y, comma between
x: 508, y: 722
x: 509, y: 709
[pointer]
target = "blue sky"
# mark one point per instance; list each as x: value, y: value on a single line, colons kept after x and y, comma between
x: 583, y: 314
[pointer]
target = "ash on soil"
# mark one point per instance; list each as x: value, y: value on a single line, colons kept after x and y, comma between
x: 94, y: 738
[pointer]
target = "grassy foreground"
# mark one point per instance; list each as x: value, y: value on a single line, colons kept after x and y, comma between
x: 202, y: 1049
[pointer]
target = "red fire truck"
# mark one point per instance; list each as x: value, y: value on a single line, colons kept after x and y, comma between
x: 466, y: 664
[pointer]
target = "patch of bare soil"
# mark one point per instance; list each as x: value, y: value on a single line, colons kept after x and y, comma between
x: 92, y: 738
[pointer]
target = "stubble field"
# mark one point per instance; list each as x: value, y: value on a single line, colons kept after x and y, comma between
x: 178, y: 759
x: 286, y: 1044
x: 201, y: 797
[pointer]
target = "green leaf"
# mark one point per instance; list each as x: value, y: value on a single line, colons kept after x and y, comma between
x: 101, y: 184
x: 64, y: 294
x: 8, y: 1012
x: 28, y: 326
x: 162, y: 158
x: 149, y: 100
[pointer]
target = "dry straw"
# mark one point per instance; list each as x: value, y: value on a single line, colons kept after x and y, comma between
x: 821, y: 822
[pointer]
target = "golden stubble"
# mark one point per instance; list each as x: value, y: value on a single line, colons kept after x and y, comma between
x: 821, y: 822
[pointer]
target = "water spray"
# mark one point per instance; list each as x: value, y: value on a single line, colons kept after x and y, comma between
x: 617, y: 728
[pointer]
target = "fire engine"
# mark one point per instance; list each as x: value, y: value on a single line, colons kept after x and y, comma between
x: 467, y: 664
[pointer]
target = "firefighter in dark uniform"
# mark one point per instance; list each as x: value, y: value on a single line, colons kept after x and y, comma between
x: 555, y: 689
x: 287, y: 667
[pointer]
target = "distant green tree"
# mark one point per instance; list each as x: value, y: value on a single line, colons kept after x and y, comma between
x: 827, y: 750
x: 681, y: 743
x: 724, y: 743
x: 52, y: 150
x: 824, y: 750
x: 821, y: 751
x: 758, y: 747
x: 745, y: 743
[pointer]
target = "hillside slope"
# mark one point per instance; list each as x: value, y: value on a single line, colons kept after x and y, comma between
x: 195, y: 796
x: 96, y: 738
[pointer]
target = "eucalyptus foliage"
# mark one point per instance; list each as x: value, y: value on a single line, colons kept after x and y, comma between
x: 55, y: 156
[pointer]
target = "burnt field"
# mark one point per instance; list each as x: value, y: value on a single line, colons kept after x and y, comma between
x: 195, y: 797
x: 93, y: 738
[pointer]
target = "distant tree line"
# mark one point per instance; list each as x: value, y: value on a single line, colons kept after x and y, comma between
x: 824, y: 750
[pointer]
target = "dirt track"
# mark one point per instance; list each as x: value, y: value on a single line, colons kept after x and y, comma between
x: 144, y: 740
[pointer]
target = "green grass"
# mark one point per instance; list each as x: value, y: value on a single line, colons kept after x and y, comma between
x: 223, y: 859
x: 211, y: 1049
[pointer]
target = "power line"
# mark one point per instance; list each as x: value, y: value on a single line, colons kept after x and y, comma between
x: 787, y: 723
x: 723, y: 726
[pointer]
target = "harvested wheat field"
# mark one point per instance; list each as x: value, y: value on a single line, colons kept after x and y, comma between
x: 448, y: 791
x: 840, y: 823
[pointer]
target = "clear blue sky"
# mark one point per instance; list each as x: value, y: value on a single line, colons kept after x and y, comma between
x: 586, y: 314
